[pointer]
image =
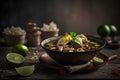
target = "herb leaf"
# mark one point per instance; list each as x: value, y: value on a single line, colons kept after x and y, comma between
x: 75, y: 38
x: 73, y: 34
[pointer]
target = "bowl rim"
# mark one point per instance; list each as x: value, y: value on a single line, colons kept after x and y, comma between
x: 56, y: 37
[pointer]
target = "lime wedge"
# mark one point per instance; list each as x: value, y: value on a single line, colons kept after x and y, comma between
x: 15, y: 59
x: 97, y: 61
x: 25, y: 70
x: 65, y: 39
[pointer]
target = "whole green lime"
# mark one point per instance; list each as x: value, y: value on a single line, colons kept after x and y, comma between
x: 21, y: 49
x: 113, y: 30
x: 103, y: 30
x: 15, y: 59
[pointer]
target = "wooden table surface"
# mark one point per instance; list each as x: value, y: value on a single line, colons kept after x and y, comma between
x: 41, y: 72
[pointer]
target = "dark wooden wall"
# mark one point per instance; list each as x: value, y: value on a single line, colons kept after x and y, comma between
x: 82, y: 16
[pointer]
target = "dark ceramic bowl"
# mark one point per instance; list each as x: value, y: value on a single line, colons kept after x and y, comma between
x: 73, y: 58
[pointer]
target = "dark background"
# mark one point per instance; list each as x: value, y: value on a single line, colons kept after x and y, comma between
x: 81, y: 16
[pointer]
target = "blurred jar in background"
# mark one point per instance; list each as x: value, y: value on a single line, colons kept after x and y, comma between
x: 49, y: 30
x: 14, y: 35
x: 33, y: 35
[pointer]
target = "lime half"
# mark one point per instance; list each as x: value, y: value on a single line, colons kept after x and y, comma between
x: 15, y: 59
x: 25, y: 70
x: 97, y: 61
x: 65, y: 39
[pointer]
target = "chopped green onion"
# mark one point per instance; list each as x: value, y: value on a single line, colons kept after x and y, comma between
x: 50, y: 44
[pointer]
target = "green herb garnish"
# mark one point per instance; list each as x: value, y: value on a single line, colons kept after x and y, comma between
x: 75, y: 38
x: 73, y: 34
